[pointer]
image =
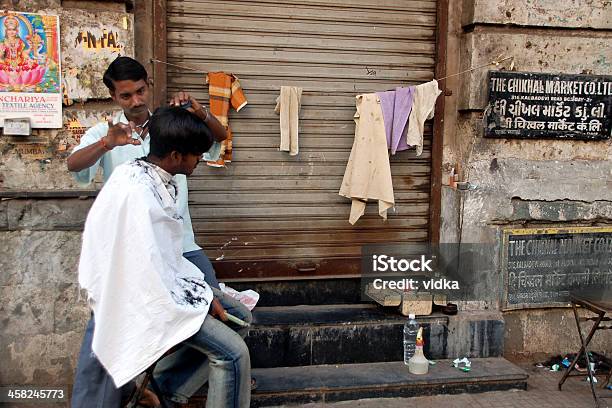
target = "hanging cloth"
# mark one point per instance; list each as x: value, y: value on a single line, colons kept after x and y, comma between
x: 288, y: 107
x: 396, y: 107
x: 224, y: 89
x: 423, y: 107
x: 368, y: 172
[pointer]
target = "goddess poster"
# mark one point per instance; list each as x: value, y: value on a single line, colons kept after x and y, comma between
x: 30, y: 83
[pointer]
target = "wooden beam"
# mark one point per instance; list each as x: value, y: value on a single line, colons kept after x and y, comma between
x: 160, y: 52
x: 143, y: 33
x: 437, y: 147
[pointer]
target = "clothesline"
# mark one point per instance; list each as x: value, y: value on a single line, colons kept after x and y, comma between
x: 494, y: 62
x: 395, y: 120
x: 178, y: 66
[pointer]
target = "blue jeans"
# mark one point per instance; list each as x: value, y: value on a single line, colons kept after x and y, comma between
x: 199, y: 259
x: 217, y: 353
x: 94, y: 388
x: 229, y: 380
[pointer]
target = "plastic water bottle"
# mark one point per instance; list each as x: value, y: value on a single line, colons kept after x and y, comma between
x: 411, y: 328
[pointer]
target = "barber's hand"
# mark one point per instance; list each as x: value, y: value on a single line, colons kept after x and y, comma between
x: 120, y: 135
x: 216, y: 310
x: 181, y: 98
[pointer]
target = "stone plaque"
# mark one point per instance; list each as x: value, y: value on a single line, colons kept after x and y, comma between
x: 541, y: 266
x: 546, y: 106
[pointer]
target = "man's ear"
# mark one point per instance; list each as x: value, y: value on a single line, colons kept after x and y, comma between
x: 112, y: 94
x: 150, y: 82
x: 176, y: 156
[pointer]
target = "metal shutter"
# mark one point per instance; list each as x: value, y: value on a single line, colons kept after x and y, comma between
x: 268, y: 214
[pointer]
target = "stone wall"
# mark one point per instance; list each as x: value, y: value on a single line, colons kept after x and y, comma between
x: 524, y: 183
x: 42, y: 313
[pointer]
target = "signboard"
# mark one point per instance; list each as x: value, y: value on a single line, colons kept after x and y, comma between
x: 33, y: 151
x: 541, y: 266
x: 534, y: 105
x: 30, y: 83
x: 17, y: 127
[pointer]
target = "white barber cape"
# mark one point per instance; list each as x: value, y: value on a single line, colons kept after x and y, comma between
x: 145, y: 296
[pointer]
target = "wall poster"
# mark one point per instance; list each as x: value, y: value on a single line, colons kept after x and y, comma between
x: 30, y: 83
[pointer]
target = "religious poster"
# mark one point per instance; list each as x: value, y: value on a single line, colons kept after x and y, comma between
x: 549, y: 106
x: 30, y: 83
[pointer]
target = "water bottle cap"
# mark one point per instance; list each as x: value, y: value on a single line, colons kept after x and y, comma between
x: 411, y: 316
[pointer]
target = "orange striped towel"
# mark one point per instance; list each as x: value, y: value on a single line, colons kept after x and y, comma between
x: 224, y: 89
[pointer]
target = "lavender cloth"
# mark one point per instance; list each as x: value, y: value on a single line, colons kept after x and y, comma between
x: 387, y: 104
x: 396, y: 107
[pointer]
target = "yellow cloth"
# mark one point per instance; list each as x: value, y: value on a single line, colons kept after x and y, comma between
x: 368, y: 172
x: 288, y: 106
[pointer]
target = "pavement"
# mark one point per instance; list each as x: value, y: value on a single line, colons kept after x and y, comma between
x: 542, y: 392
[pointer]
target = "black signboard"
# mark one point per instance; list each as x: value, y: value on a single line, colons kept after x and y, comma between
x: 541, y: 266
x: 546, y: 106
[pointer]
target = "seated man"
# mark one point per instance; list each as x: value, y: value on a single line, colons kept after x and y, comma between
x: 106, y: 146
x: 145, y: 296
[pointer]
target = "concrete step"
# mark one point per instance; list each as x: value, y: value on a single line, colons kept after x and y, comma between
x: 329, y: 383
x: 291, y: 336
x: 304, y: 291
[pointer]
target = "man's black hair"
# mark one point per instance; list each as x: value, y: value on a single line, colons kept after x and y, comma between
x: 176, y: 129
x: 122, y: 69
